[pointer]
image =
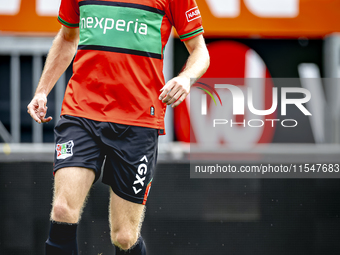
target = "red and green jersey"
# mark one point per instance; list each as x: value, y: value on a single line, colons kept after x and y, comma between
x: 118, y: 69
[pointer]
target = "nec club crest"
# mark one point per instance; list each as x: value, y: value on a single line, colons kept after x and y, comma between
x: 193, y: 14
x: 64, y: 150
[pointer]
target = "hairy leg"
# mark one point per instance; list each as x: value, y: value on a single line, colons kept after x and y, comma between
x: 71, y: 186
x: 125, y: 221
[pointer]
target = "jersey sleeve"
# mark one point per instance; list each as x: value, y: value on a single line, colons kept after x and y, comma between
x: 186, y: 18
x: 69, y: 13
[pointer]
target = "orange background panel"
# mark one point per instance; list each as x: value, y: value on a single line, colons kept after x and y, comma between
x: 28, y: 21
x: 316, y: 18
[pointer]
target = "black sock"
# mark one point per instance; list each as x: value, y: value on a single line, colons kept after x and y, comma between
x: 138, y: 249
x: 62, y: 239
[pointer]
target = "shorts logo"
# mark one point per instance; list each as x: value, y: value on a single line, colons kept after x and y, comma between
x: 140, y: 176
x: 193, y: 14
x: 64, y: 150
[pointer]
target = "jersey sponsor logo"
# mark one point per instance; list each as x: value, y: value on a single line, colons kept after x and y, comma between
x: 193, y: 14
x: 119, y: 25
x: 139, y: 30
x: 141, y: 175
x: 64, y: 150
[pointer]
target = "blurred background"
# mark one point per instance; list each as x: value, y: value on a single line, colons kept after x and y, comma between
x: 246, y: 39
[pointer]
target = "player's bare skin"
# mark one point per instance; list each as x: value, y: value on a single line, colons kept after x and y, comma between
x: 71, y: 186
x: 59, y: 58
x: 177, y: 89
x: 125, y: 221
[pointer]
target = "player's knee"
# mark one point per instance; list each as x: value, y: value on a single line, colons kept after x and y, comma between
x: 123, y: 239
x: 61, y: 212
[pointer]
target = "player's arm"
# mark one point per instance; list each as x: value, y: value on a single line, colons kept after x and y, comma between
x: 176, y: 90
x: 59, y: 58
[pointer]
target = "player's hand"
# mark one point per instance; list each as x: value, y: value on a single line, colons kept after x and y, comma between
x: 37, y: 108
x: 175, y: 91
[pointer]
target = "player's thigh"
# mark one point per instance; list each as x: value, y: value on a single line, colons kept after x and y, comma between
x: 125, y: 217
x: 71, y: 186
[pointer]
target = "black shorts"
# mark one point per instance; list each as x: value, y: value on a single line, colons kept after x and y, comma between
x: 129, y: 153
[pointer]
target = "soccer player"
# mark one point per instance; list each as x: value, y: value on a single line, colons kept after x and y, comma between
x: 114, y: 106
